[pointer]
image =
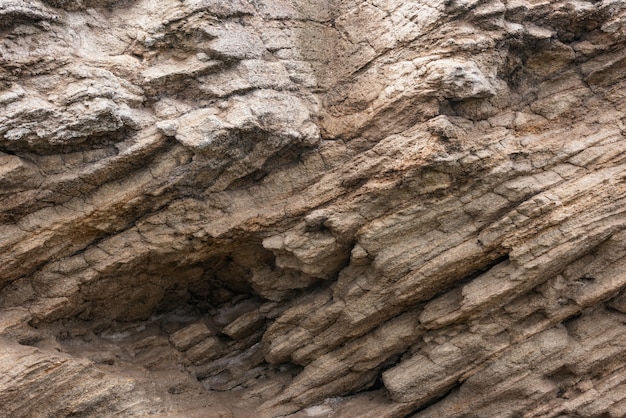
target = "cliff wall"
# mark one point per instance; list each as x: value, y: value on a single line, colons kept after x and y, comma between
x: 371, y: 208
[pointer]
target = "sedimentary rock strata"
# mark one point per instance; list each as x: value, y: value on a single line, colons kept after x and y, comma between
x: 312, y: 208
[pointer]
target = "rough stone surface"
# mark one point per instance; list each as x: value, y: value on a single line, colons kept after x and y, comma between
x: 372, y: 208
x: 189, y: 336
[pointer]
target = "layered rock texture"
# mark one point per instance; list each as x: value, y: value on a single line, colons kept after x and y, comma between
x: 347, y: 208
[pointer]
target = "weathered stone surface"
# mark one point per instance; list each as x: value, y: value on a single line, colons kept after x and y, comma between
x: 204, y: 351
x: 14, y: 11
x: 312, y: 208
x: 189, y: 336
x: 71, y: 386
x: 245, y: 325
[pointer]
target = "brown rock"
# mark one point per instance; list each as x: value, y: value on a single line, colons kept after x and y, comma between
x: 245, y: 325
x: 189, y: 336
x: 387, y: 208
x: 205, y: 351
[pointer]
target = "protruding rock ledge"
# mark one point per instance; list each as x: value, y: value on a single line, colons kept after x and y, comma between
x: 272, y: 207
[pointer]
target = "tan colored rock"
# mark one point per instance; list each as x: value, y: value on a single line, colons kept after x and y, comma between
x: 204, y: 351
x: 27, y: 369
x: 387, y: 208
x: 189, y: 336
x: 245, y: 325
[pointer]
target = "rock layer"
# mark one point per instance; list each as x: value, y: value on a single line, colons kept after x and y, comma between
x: 373, y: 208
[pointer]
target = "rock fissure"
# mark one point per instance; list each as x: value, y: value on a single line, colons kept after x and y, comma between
x: 295, y: 208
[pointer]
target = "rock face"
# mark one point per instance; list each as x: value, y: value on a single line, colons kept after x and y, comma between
x: 372, y: 208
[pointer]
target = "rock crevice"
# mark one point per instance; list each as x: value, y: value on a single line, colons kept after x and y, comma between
x: 338, y: 208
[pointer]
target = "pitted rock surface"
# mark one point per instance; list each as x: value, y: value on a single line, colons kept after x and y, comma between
x: 266, y: 208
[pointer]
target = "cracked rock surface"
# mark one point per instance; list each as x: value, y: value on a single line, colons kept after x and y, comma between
x: 372, y: 208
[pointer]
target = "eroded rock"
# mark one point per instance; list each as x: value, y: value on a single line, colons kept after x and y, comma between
x: 189, y: 336
x: 336, y: 208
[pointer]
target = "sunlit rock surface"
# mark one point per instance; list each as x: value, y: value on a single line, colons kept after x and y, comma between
x: 267, y: 208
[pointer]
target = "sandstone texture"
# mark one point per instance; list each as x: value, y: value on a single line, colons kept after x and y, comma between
x: 313, y: 208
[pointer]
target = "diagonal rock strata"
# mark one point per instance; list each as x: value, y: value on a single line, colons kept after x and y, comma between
x: 296, y: 208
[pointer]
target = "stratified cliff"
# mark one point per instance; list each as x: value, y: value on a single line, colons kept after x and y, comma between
x: 372, y: 208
